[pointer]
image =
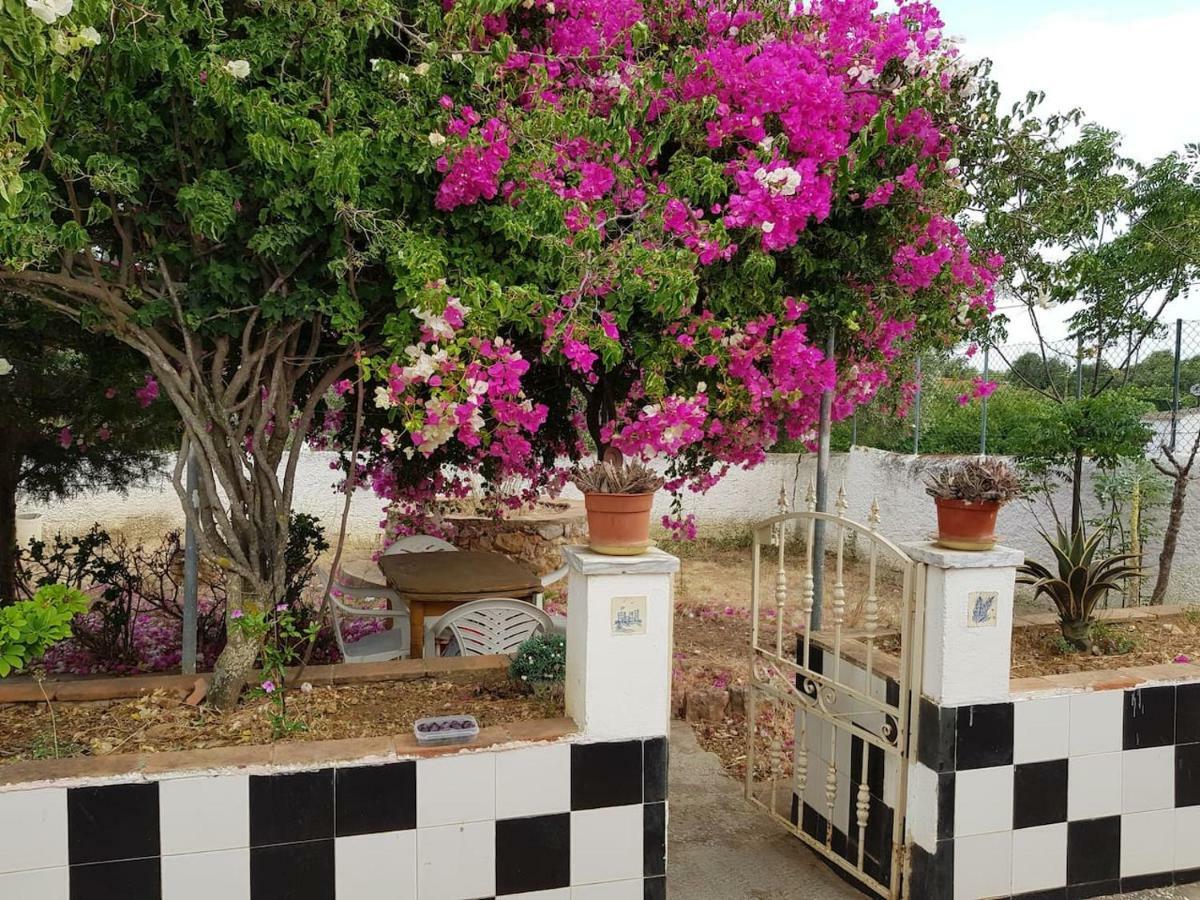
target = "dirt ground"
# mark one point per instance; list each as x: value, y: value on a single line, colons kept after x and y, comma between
x: 161, y: 721
x: 1038, y: 650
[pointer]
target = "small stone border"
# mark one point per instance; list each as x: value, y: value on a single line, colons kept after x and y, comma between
x: 27, y: 690
x: 263, y: 758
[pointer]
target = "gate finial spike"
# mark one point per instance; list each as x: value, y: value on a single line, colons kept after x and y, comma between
x: 841, y: 505
x: 873, y: 516
x: 783, y: 500
x: 810, y: 498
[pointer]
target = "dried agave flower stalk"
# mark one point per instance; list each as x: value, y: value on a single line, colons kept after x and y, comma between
x: 617, y: 478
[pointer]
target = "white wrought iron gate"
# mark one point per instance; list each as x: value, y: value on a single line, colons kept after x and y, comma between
x: 831, y: 733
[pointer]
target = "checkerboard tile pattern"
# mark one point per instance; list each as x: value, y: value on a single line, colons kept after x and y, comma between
x: 1060, y: 797
x: 553, y: 821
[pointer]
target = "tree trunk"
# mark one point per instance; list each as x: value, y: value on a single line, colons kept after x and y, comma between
x: 237, y: 659
x: 8, y: 531
x: 1077, y: 493
x: 1182, y: 474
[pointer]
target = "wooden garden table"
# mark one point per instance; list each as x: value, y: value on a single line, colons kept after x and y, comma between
x: 434, y: 583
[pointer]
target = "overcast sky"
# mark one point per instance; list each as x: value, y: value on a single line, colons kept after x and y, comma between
x: 1131, y: 65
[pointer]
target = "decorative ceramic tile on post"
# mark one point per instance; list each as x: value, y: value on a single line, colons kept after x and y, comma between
x: 968, y: 622
x: 619, y: 643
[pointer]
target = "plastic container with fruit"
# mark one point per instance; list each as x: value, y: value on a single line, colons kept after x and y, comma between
x: 446, y: 729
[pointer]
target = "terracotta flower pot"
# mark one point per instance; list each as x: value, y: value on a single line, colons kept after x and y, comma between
x: 618, y: 524
x: 967, y: 525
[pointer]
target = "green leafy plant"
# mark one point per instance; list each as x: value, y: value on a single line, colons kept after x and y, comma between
x: 541, y: 662
x: 283, y: 638
x: 30, y: 627
x: 1078, y: 582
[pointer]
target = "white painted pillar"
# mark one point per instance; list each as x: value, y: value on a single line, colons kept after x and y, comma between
x: 620, y: 611
x: 968, y: 623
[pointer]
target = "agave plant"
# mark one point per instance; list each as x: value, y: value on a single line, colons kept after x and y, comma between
x: 1081, y: 581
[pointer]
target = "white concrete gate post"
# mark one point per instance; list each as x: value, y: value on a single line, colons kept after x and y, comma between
x: 968, y: 623
x: 619, y: 634
x: 967, y: 658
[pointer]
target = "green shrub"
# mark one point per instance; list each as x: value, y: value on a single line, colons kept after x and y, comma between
x: 540, y: 661
x: 29, y: 628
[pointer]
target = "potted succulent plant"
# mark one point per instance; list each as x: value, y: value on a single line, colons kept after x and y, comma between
x: 617, y: 496
x: 968, y: 495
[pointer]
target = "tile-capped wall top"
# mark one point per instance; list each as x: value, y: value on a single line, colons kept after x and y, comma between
x: 114, y: 822
x: 1149, y: 717
x: 202, y: 814
x: 371, y: 799
x: 984, y: 736
x: 1041, y: 729
x: 533, y: 781
x: 37, y: 834
x: 288, y: 808
x: 608, y: 774
x: 452, y: 789
x: 1096, y: 722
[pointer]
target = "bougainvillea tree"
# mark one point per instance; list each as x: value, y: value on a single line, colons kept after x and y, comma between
x: 681, y: 202
x: 524, y: 227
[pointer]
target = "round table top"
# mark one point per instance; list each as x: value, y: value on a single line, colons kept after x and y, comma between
x: 457, y: 575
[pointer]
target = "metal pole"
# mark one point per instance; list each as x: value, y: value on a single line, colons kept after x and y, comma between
x: 854, y: 429
x: 917, y: 413
x: 1175, y: 380
x: 191, y: 572
x: 818, y: 547
x: 983, y: 412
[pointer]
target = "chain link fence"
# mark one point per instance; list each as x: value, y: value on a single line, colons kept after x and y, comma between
x: 947, y: 416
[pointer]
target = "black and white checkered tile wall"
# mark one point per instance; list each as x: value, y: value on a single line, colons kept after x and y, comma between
x: 1068, y: 797
x: 578, y: 821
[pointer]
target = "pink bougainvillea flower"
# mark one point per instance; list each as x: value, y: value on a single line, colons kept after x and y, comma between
x: 148, y: 392
x: 268, y: 687
x: 1183, y: 658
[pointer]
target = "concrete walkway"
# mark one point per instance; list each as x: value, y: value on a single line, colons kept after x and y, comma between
x: 721, y: 848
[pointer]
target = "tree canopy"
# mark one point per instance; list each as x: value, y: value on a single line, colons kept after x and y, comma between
x: 521, y: 225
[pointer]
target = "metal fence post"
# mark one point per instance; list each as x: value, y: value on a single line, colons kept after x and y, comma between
x: 818, y: 547
x: 983, y: 409
x: 191, y: 572
x: 917, y: 413
x: 1175, y: 380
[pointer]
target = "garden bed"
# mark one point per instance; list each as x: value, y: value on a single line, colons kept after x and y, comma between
x: 1123, y: 638
x: 159, y: 720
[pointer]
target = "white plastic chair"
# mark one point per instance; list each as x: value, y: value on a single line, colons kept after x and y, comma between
x: 490, y: 627
x: 390, y: 643
x: 418, y: 543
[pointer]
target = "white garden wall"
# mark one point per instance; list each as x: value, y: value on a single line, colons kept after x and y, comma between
x: 896, y: 480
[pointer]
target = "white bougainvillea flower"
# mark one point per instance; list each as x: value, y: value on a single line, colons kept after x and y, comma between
x: 238, y: 68
x: 50, y: 11
x: 421, y: 69
x: 437, y: 138
x: 5, y: 366
x: 90, y: 36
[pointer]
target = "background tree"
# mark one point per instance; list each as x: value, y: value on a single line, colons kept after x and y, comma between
x: 76, y: 414
x: 1079, y: 223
